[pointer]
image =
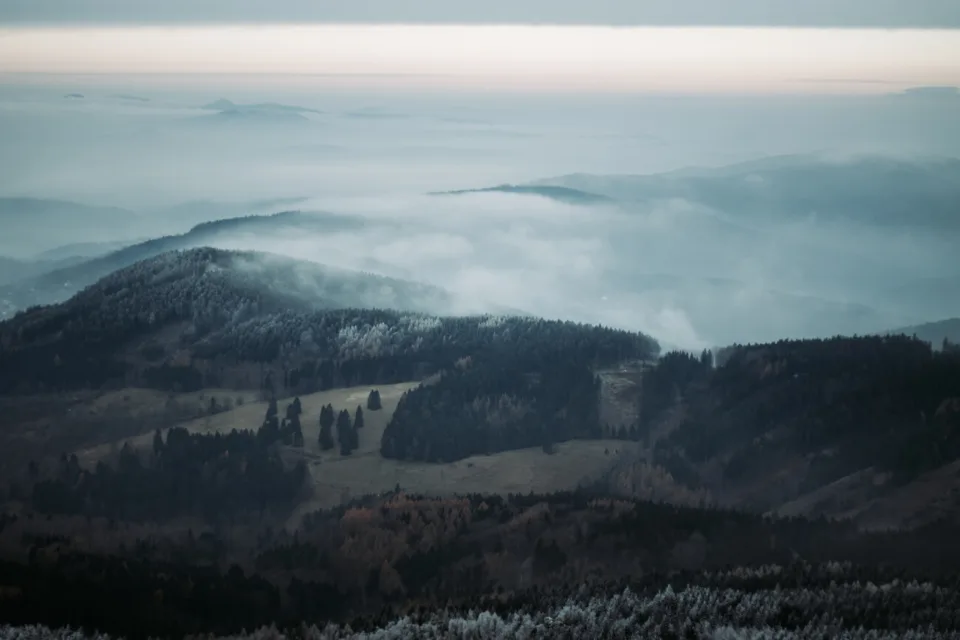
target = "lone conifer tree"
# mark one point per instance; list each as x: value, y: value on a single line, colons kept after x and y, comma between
x: 373, y: 400
x: 326, y: 428
x: 358, y: 418
x: 345, y: 432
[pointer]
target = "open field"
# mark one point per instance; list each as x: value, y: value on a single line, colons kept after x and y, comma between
x: 870, y: 499
x: 337, y: 478
x: 33, y: 427
x: 251, y: 414
x: 137, y: 404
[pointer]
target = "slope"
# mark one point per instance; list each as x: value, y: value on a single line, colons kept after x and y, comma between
x: 933, y: 332
x: 179, y: 298
x: 877, y: 190
x: 207, y: 317
x: 59, y: 222
x: 837, y: 427
x: 365, y: 472
x: 12, y: 269
x: 560, y: 194
x: 59, y: 284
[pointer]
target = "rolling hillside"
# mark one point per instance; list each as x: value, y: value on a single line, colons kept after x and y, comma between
x: 59, y: 284
x: 61, y: 222
x: 933, y: 332
x: 560, y: 194
x: 336, y: 478
x: 207, y: 317
x: 873, y: 190
x: 846, y: 427
x: 199, y: 291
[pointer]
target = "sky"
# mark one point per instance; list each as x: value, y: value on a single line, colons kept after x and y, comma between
x: 811, y: 13
x: 672, y: 59
x: 735, y: 46
x: 113, y: 103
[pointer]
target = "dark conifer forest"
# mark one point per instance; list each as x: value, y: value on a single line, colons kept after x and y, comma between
x: 453, y: 320
x: 219, y: 525
x: 226, y: 309
x: 697, y: 566
x: 885, y: 402
x: 487, y: 407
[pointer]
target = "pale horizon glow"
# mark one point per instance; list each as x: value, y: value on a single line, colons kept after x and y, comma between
x: 699, y: 59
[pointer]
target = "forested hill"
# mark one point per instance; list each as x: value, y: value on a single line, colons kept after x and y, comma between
x: 884, y: 191
x: 213, y: 286
x: 938, y: 334
x: 844, y: 421
x: 197, y: 318
x: 59, y: 284
x: 201, y: 290
x: 560, y: 194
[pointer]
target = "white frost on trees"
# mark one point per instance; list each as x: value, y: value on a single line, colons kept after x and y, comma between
x: 738, y: 610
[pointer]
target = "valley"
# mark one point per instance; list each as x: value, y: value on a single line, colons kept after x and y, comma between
x: 173, y: 424
x: 294, y: 362
x: 336, y: 479
x: 620, y: 459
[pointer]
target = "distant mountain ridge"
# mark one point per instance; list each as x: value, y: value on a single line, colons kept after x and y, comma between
x: 185, y: 317
x: 265, y: 112
x: 226, y: 105
x: 188, y: 214
x: 560, y: 194
x: 82, y: 250
x: 255, y: 116
x: 62, y: 222
x: 58, y: 285
x: 875, y: 189
x: 208, y: 289
x: 13, y: 270
x: 933, y: 332
x: 861, y: 428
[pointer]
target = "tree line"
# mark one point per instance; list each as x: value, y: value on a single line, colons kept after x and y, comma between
x: 488, y: 405
x: 215, y: 476
x: 890, y: 402
x: 453, y: 548
x: 230, y: 318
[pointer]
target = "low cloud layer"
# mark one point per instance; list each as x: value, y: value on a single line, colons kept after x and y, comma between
x: 696, y: 266
x: 664, y: 269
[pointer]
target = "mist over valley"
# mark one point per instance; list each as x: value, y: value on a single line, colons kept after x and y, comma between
x: 581, y: 213
x: 282, y: 355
